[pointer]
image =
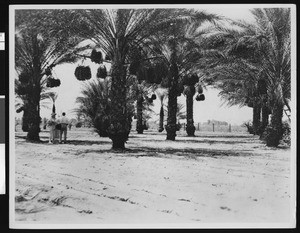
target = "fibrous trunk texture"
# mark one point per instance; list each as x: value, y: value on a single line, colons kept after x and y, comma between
x: 256, y: 118
x: 275, y: 131
x: 120, y: 124
x: 190, y: 128
x: 139, y: 113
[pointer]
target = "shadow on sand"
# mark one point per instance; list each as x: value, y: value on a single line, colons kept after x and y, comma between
x: 45, y: 140
x: 163, y: 152
x: 243, y: 140
x: 137, y: 151
x: 208, y: 135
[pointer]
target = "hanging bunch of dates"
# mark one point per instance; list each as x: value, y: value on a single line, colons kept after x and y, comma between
x: 96, y: 56
x: 101, y: 72
x: 200, y: 96
x: 151, y: 98
x: 52, y: 82
x: 190, y: 80
x: 83, y: 73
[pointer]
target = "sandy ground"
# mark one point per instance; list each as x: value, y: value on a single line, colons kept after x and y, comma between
x: 210, y: 178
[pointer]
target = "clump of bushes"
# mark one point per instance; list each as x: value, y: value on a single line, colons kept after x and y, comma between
x: 78, y: 124
x: 95, y: 104
x: 177, y: 127
x: 273, y: 136
x: 286, y: 137
x: 101, y: 124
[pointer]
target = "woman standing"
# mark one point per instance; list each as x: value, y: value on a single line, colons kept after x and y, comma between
x: 52, y: 123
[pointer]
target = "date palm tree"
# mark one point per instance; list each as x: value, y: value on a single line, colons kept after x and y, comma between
x: 268, y: 42
x: 238, y: 81
x: 146, y: 77
x: 275, y: 25
x: 38, y: 48
x: 234, y: 67
x: 177, y: 47
x: 115, y: 31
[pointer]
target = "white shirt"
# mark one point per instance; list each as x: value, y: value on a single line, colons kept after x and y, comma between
x: 64, y: 120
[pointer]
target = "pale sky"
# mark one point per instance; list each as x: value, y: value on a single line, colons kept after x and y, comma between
x: 203, y: 110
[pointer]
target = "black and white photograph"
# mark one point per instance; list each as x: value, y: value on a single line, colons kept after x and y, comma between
x: 152, y: 116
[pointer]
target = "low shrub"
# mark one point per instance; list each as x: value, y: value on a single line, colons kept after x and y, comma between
x: 101, y: 124
x: 78, y: 125
x: 286, y: 136
x: 275, y: 136
x: 272, y: 136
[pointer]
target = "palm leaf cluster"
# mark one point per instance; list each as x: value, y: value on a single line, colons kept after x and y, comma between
x: 160, y: 46
x: 118, y: 32
x: 39, y: 47
x: 255, y: 67
x: 95, y: 105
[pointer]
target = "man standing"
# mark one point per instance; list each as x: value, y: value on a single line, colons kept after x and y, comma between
x: 64, y: 121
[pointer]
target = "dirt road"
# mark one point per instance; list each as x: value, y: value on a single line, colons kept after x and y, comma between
x: 211, y: 178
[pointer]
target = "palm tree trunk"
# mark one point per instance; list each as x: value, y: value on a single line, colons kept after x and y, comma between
x: 161, y: 118
x: 53, y: 108
x: 172, y: 103
x: 139, y: 113
x: 120, y: 125
x: 275, y: 131
x: 256, y: 117
x: 25, y: 120
x: 264, y: 119
x: 34, y: 118
x: 190, y: 128
x: 171, y: 121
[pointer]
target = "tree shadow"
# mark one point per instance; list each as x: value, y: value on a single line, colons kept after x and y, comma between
x: 201, y: 152
x: 87, y: 142
x: 195, y: 139
x: 202, y: 141
x: 216, y: 142
x: 224, y: 136
x: 196, y: 136
x: 164, y: 152
x: 70, y: 142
